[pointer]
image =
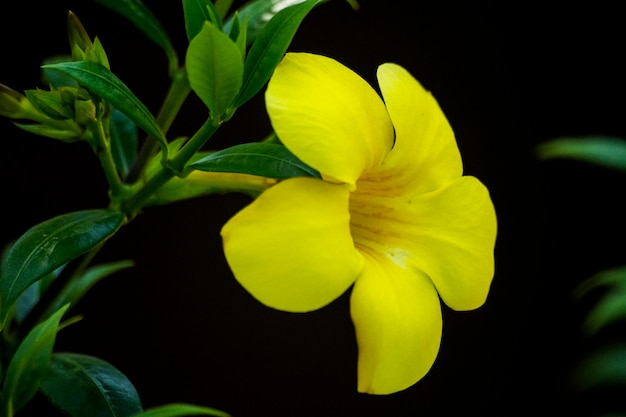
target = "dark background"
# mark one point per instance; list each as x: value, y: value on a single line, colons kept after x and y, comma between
x: 508, y: 76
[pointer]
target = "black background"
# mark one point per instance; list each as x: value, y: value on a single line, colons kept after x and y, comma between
x: 508, y: 76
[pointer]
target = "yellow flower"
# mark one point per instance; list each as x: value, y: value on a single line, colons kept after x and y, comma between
x: 394, y: 217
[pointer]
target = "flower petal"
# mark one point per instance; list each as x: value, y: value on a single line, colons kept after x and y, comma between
x: 449, y: 234
x: 425, y: 155
x: 328, y: 116
x: 291, y: 248
x: 397, y: 317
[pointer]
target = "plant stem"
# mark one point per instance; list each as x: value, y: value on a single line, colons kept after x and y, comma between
x: 176, y: 96
x: 170, y: 168
x: 116, y: 186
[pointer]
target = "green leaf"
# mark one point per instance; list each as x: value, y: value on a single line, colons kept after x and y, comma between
x: 270, y: 47
x: 29, y: 364
x: 215, y: 70
x: 178, y: 410
x: 104, y: 83
x: 137, y: 13
x: 31, y: 296
x: 259, y: 13
x: 123, y: 141
x: 197, y: 12
x: 79, y: 287
x: 606, y: 151
x: 611, y: 306
x: 604, y: 367
x: 50, y: 244
x: 263, y: 159
x: 82, y: 385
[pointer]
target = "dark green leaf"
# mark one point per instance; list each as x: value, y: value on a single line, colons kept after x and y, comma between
x: 270, y: 47
x: 259, y: 13
x: 604, y: 367
x: 137, y: 13
x: 83, y: 385
x: 215, y: 69
x: 197, y: 12
x: 31, y: 296
x: 606, y: 151
x: 79, y: 287
x: 104, y: 83
x: 180, y: 410
x: 29, y: 364
x: 263, y: 159
x: 123, y: 141
x: 50, y: 244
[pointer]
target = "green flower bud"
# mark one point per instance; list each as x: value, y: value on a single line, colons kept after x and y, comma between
x: 53, y: 104
x: 83, y: 49
x: 85, y: 112
x: 11, y: 103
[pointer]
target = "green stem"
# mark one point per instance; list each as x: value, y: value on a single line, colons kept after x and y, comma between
x: 170, y: 168
x: 177, y: 94
x: 103, y: 151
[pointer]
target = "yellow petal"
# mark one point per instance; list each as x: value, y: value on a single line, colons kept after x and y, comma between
x: 449, y: 234
x: 425, y: 155
x: 291, y: 248
x: 328, y: 116
x: 397, y: 317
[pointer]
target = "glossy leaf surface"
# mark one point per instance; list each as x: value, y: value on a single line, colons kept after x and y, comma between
x: 82, y: 385
x: 50, y: 244
x: 263, y: 159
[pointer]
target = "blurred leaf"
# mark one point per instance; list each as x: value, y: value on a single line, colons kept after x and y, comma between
x: 606, y: 366
x: 105, y: 84
x: 29, y: 364
x: 270, y: 47
x: 262, y: 159
x: 79, y: 287
x: 222, y: 7
x: 83, y: 386
x: 606, y: 151
x: 215, y: 70
x: 180, y: 410
x: 123, y: 141
x: 137, y: 13
x: 50, y: 244
x: 611, y: 307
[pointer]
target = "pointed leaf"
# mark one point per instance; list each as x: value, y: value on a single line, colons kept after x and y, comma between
x: 263, y: 159
x: 137, y: 13
x: 105, y: 84
x: 82, y: 385
x: 196, y: 13
x: 180, y: 410
x: 79, y: 287
x: 270, y: 47
x: 606, y: 151
x: 259, y: 13
x: 50, y: 244
x: 215, y: 69
x: 29, y: 364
